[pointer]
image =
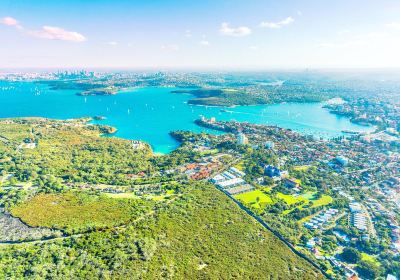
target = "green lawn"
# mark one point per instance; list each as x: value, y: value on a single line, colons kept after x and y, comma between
x: 240, y: 165
x: 170, y: 192
x: 290, y: 199
x: 209, y: 152
x: 301, y: 167
x: 305, y: 199
x: 160, y: 197
x: 122, y: 195
x: 267, y: 189
x: 308, y: 195
x: 306, y: 219
x: 370, y: 258
x: 131, y: 195
x: 324, y: 200
x: 251, y: 198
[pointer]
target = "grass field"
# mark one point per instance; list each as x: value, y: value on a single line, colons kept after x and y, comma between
x: 74, y: 213
x: 324, y: 200
x: 308, y: 195
x: 251, y: 198
x: 290, y: 199
x: 301, y: 167
x: 264, y: 199
x: 306, y: 219
x: 267, y: 189
x: 369, y: 258
x: 240, y: 165
x: 305, y: 198
x: 209, y: 152
x: 129, y: 195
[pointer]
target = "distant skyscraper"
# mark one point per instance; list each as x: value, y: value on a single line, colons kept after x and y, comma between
x: 342, y: 160
x: 269, y: 145
x: 242, y: 139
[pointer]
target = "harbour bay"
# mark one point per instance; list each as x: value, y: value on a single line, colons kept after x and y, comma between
x: 149, y: 114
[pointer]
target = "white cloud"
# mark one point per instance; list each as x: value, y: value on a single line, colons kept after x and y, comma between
x: 9, y: 21
x: 394, y: 25
x: 188, y: 33
x: 276, y: 25
x: 236, y: 32
x: 205, y: 43
x: 253, y: 48
x: 47, y: 32
x: 112, y: 43
x: 57, y: 33
x: 172, y: 47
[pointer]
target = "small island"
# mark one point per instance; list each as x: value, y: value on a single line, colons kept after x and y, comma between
x: 99, y: 91
x: 99, y: 118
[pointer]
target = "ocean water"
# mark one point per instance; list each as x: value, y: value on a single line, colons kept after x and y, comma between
x: 149, y: 114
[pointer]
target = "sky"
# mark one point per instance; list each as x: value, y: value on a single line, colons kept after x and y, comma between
x: 217, y: 34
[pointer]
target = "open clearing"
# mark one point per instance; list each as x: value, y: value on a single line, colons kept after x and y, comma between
x: 251, y: 198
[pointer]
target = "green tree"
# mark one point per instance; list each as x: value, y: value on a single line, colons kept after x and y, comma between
x: 13, y: 181
x: 351, y: 255
x: 147, y: 248
x: 369, y: 270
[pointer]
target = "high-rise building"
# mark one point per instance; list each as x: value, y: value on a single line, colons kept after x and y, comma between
x: 242, y: 139
x: 269, y: 145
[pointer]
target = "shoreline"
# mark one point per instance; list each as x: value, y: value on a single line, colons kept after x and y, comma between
x: 168, y: 90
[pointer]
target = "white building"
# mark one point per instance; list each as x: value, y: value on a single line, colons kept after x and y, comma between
x: 343, y: 161
x: 358, y: 216
x: 269, y: 145
x: 355, y: 207
x: 242, y: 139
x: 218, y: 178
x: 231, y: 183
x: 237, y: 172
x: 391, y: 277
x: 360, y: 221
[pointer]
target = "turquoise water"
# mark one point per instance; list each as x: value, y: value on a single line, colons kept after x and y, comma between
x: 149, y: 114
